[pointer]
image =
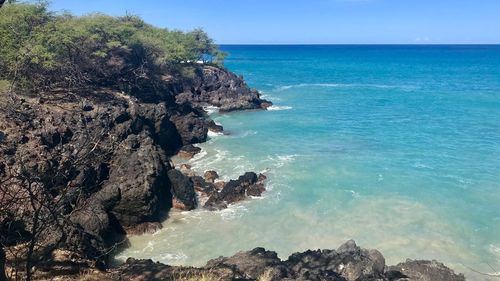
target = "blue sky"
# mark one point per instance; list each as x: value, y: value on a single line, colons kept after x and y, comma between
x: 315, y: 21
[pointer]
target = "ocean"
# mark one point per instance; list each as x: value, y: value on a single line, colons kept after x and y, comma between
x: 397, y: 147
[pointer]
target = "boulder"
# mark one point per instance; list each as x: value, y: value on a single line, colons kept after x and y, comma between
x: 183, y: 192
x: 349, y: 261
x: 253, y: 264
x: 185, y: 167
x: 138, y: 171
x: 200, y: 185
x: 144, y: 228
x: 211, y: 176
x: 235, y: 191
x: 188, y: 151
x: 422, y: 270
x: 192, y: 127
x: 219, y: 185
x: 212, y: 126
x: 256, y: 190
x: 186, y: 170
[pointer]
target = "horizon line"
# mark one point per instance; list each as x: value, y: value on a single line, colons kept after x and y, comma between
x: 360, y: 44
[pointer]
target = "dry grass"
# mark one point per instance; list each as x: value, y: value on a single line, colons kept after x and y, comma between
x: 4, y: 86
x: 265, y: 276
x: 203, y: 276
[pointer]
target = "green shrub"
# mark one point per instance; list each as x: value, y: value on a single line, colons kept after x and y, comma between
x: 41, y: 50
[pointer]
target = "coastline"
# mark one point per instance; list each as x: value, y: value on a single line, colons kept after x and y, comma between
x: 191, y: 129
x: 389, y: 146
x: 409, y: 270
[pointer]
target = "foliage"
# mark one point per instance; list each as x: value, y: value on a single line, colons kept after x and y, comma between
x: 41, y: 50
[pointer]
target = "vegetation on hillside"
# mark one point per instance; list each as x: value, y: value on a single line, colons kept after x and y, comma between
x: 41, y: 50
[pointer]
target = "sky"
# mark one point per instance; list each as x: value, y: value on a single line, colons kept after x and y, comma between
x: 315, y: 21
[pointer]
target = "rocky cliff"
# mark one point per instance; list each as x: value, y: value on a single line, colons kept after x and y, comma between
x: 101, y: 157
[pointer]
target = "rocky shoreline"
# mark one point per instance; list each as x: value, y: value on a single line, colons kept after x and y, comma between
x: 348, y: 263
x: 110, y: 153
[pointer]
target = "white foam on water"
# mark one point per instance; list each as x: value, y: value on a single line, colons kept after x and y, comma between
x: 202, y: 154
x: 419, y: 165
x: 172, y: 257
x: 380, y: 177
x: 270, y: 97
x: 353, y: 193
x: 243, y: 134
x: 213, y: 134
x: 210, y: 109
x: 282, y: 160
x: 279, y: 107
x: 340, y: 85
x: 233, y: 211
x: 495, y: 249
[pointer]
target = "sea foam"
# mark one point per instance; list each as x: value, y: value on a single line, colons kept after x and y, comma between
x: 346, y: 85
x: 279, y: 107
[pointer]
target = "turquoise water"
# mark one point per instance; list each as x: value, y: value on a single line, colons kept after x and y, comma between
x: 397, y: 147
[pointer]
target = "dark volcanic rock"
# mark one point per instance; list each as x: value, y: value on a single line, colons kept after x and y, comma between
x: 183, y: 190
x: 221, y: 88
x: 256, y: 189
x: 236, y: 190
x: 188, y: 151
x: 138, y: 172
x: 210, y: 176
x: 253, y: 264
x: 349, y: 260
x: 95, y: 220
x: 207, y: 188
x: 347, y: 263
x: 420, y: 270
x: 147, y: 270
x: 215, y: 128
x: 143, y: 228
x: 192, y: 128
x: 103, y: 154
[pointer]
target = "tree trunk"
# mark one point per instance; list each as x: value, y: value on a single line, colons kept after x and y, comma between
x: 2, y: 263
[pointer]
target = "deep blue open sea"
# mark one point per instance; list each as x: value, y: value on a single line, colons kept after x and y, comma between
x: 397, y: 147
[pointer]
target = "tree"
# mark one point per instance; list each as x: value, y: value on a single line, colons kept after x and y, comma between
x: 43, y: 51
